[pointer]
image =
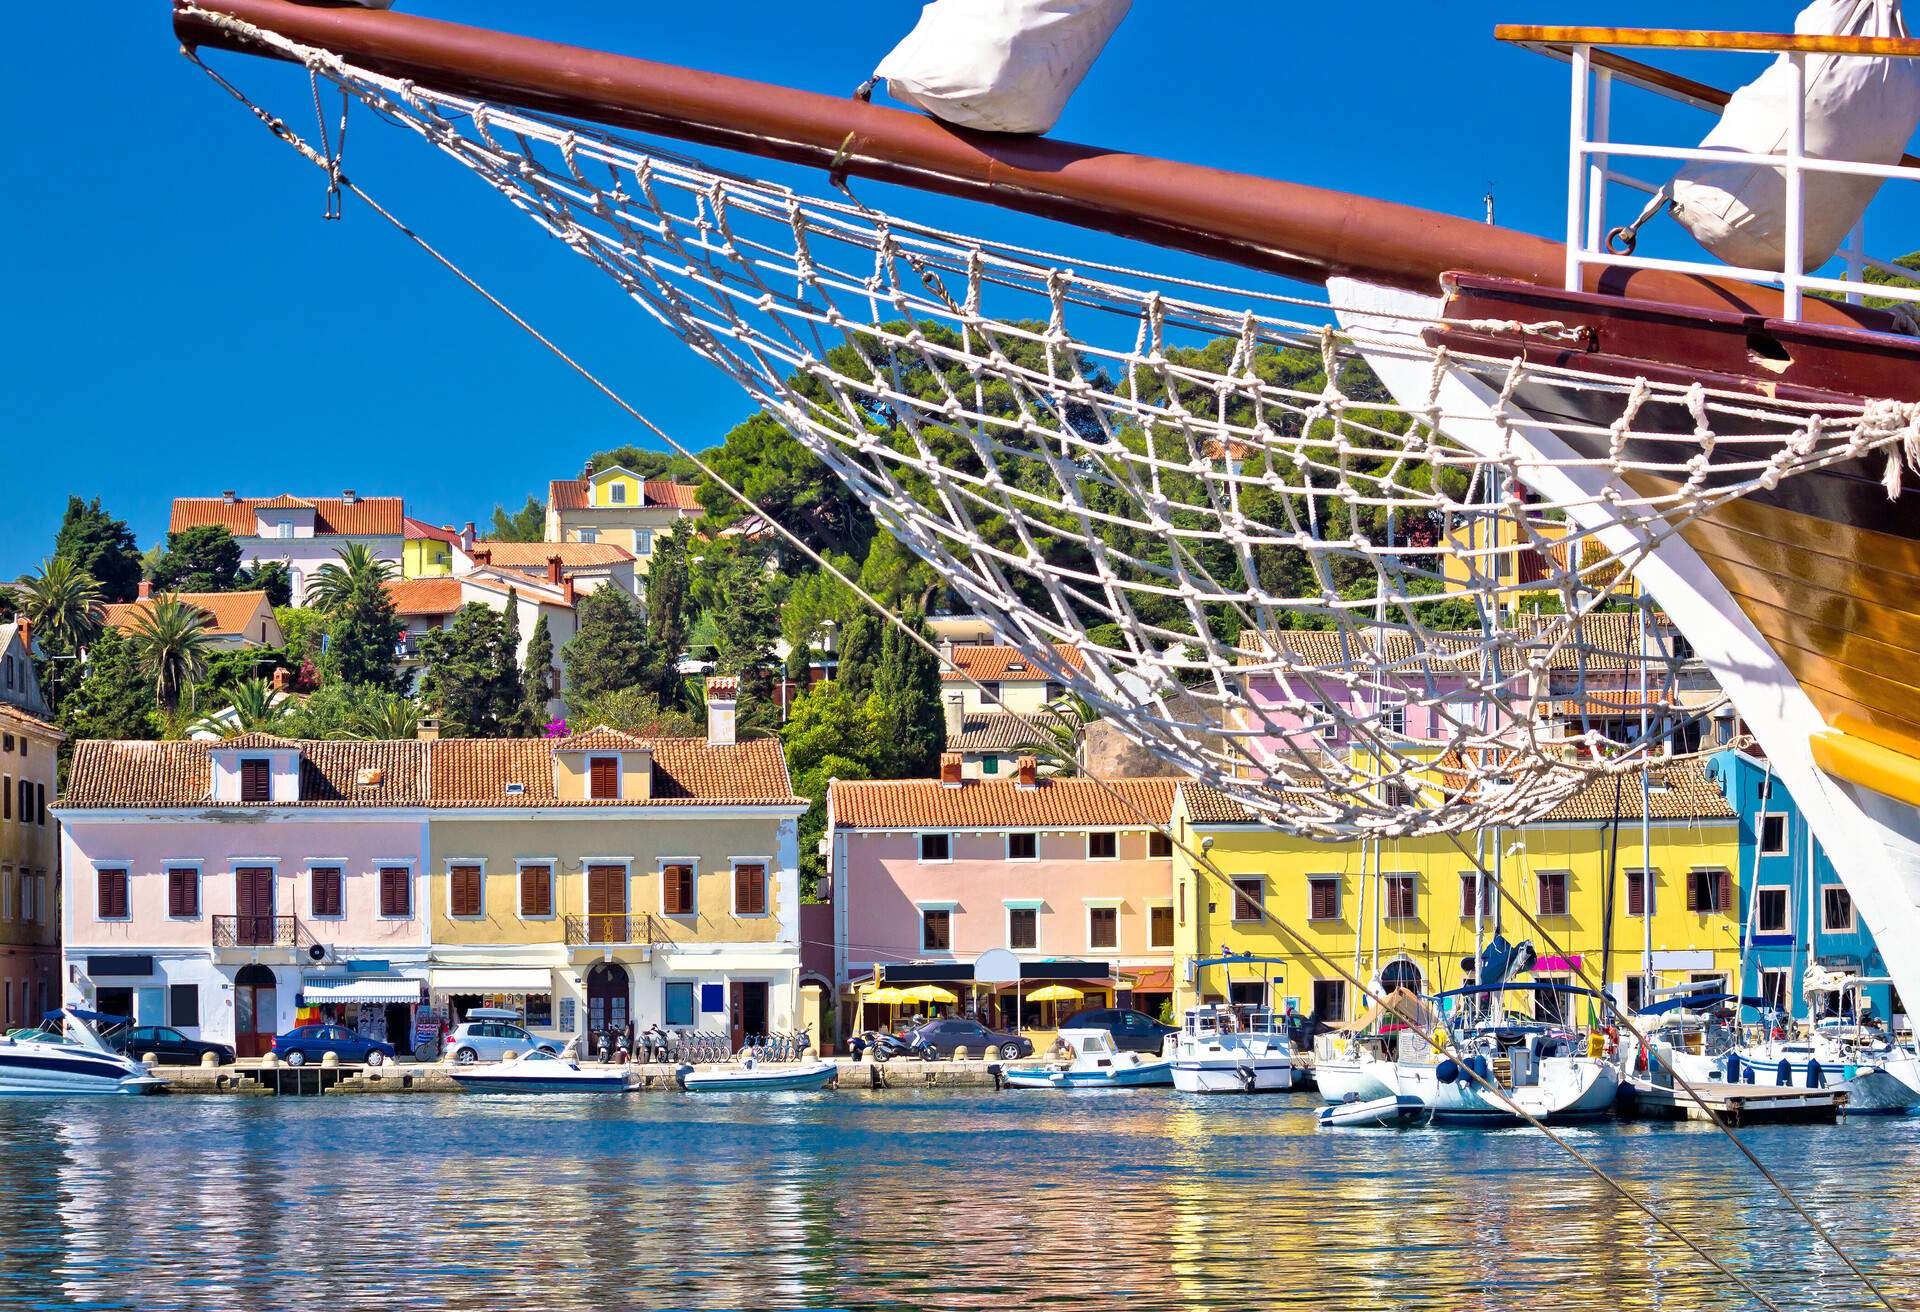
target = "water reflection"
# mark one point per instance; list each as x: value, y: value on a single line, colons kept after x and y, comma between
x: 1143, y: 1200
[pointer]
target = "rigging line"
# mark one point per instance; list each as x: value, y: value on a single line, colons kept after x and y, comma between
x: 1779, y: 1185
x: 286, y: 134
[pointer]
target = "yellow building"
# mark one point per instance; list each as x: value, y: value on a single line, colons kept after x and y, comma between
x: 617, y: 506
x: 603, y: 879
x: 428, y: 552
x: 1403, y: 912
x: 29, y: 838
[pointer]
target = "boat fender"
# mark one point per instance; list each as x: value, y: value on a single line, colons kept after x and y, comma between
x: 1816, y: 1078
x: 1746, y: 1072
x: 999, y: 1076
x: 1447, y: 1071
x: 1784, y: 1075
x: 1733, y: 1068
x: 1850, y: 1071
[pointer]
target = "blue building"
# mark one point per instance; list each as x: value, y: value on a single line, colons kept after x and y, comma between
x: 1780, y: 864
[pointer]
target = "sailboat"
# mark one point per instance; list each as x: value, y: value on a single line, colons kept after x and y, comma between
x: 1516, y: 1064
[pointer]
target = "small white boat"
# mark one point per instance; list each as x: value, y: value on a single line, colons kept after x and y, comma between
x: 540, y: 1071
x: 1217, y: 1052
x: 1393, y: 1110
x: 67, y: 1056
x: 1094, y: 1064
x: 750, y: 1076
x: 1354, y: 1063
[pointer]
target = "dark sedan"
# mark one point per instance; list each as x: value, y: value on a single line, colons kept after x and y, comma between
x: 171, y: 1046
x: 1132, y: 1031
x: 941, y: 1038
x: 307, y: 1043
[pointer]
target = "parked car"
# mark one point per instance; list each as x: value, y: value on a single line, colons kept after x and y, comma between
x: 305, y: 1043
x: 491, y: 1040
x: 171, y: 1046
x: 1132, y: 1031
x: 939, y: 1038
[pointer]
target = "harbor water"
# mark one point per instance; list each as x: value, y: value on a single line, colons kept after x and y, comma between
x: 1137, y: 1199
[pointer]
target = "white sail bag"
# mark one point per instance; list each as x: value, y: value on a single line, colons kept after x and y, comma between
x: 1000, y: 65
x: 1858, y: 108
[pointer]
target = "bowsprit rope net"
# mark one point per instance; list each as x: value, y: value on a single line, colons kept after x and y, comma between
x: 1205, y: 515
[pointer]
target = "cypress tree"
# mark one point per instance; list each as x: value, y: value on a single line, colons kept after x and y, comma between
x: 536, y: 677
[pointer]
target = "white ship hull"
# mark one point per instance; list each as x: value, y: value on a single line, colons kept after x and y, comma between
x: 1225, y: 1075
x: 31, y: 1068
x: 1568, y: 1088
x: 1347, y: 1080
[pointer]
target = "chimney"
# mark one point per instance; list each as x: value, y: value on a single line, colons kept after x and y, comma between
x: 722, y: 702
x: 429, y: 729
x: 567, y: 590
x: 950, y: 766
x: 553, y: 570
x: 1027, y: 774
x: 25, y: 626
x: 228, y: 496
x: 282, y: 679
x: 349, y: 497
x: 146, y: 589
x: 484, y: 556
x: 466, y: 537
x: 956, y: 703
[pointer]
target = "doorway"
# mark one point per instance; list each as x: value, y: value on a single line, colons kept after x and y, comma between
x: 253, y: 906
x: 606, y: 1002
x: 256, y: 1007
x: 747, y: 1010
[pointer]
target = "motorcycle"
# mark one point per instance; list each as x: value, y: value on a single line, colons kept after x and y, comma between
x: 886, y: 1046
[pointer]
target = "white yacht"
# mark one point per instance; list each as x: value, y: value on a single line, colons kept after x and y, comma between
x: 1219, y: 1051
x: 68, y: 1056
x: 1500, y: 1064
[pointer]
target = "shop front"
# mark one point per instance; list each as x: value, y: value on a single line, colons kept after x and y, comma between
x: 998, y: 990
x: 379, y: 1005
x: 545, y: 1003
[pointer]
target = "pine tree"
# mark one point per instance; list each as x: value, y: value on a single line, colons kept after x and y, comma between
x: 609, y: 651
x: 669, y: 606
x: 746, y: 620
x: 536, y: 677
x: 202, y: 559
x: 362, y: 633
x: 101, y: 546
x: 509, y: 693
x: 463, y: 678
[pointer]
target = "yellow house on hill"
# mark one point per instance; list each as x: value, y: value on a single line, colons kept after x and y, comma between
x: 617, y: 506
x: 1406, y: 911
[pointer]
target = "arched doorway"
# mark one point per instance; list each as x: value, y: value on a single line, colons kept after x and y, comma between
x: 1401, y: 974
x: 607, y: 990
x: 256, y: 1005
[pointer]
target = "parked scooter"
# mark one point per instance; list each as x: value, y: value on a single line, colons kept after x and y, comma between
x: 884, y: 1046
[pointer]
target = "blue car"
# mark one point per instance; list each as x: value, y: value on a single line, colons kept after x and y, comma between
x: 305, y: 1043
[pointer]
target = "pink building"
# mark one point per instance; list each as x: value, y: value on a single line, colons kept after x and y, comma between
x: 1065, y: 877
x: 209, y: 883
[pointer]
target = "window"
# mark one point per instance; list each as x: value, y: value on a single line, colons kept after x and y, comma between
x: 587, y: 535
x: 539, y: 1010
x: 1329, y: 999
x: 989, y: 764
x: 1640, y: 892
x: 1159, y: 843
x: 617, y: 491
x: 990, y: 693
x: 183, y: 1006
x: 1773, y: 987
x: 1055, y: 691
x: 536, y: 892
x: 1103, y: 927
x: 113, y: 895
x: 1323, y: 897
x: 643, y: 542
x: 1393, y: 718
x: 1023, y: 847
x: 1773, y: 835
x: 328, y: 897
x: 464, y: 890
x: 936, y: 930
x: 750, y: 890
x: 1709, y: 890
x: 396, y: 892
x: 1323, y: 718
x: 1159, y: 927
x: 1401, y: 900
x: 1023, y: 928
x: 1470, y: 883
x: 1836, y: 909
x: 1249, y: 896
x: 678, y: 1003
x: 183, y: 892
x: 6, y: 797
x: 603, y: 778
x: 1103, y: 846
x: 1770, y: 911
x: 1765, y: 791
x: 255, y: 782
x: 676, y: 890
x: 936, y: 847
x: 41, y: 791
x: 1553, y: 892
x: 1637, y: 994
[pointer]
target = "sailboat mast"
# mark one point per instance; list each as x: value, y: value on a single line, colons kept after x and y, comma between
x: 1646, y: 829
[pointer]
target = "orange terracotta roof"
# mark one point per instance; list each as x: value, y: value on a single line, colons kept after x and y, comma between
x: 366, y: 517
x: 686, y: 771
x: 417, y: 529
x: 535, y: 555
x: 601, y: 739
x: 681, y: 496
x: 992, y: 663
x: 998, y: 731
x: 170, y: 774
x: 228, y: 613
x: 1001, y: 804
x: 424, y: 596
x: 571, y: 494
x: 19, y: 721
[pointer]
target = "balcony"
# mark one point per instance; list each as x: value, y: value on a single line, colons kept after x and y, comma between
x: 610, y: 930
x: 260, y: 932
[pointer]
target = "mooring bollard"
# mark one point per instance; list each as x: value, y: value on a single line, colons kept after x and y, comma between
x: 149, y: 1060
x: 209, y: 1061
x: 330, y: 1060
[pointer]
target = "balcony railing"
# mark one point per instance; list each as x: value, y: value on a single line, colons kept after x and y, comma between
x: 605, y: 930
x: 260, y: 932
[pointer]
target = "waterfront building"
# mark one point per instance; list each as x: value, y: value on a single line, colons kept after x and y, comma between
x: 428, y: 552
x: 1068, y: 878
x: 617, y: 506
x: 29, y: 837
x: 1406, y: 912
x: 304, y: 533
x: 234, y: 619
x: 604, y: 880
x: 1794, y: 909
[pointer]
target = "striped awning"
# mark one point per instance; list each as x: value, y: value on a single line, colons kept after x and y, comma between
x: 360, y: 990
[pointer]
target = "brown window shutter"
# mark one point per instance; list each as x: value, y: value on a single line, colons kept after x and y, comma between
x: 1468, y: 884
x: 466, y: 890
x: 113, y: 894
x: 326, y: 892
x: 1636, y: 893
x: 1726, y: 891
x: 678, y: 882
x: 254, y: 782
x: 536, y: 891
x: 1693, y: 892
x: 394, y: 894
x: 750, y: 890
x: 603, y: 778
x: 180, y: 893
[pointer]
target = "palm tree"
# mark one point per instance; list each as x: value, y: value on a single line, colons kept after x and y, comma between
x: 389, y: 717
x: 358, y: 569
x: 1063, y: 724
x: 253, y: 707
x: 170, y: 637
x: 64, y: 602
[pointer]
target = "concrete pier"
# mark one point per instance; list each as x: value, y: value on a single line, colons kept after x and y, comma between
x: 253, y: 1079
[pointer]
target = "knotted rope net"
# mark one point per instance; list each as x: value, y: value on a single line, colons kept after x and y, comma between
x: 1198, y: 509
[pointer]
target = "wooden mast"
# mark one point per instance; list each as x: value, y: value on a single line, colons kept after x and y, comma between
x: 1262, y: 223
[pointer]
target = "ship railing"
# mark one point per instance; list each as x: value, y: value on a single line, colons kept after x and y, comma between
x: 1593, y: 243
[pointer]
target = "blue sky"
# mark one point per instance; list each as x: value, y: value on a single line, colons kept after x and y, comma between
x: 182, y: 320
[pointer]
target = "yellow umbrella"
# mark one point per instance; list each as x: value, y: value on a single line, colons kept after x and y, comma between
x: 930, y: 993
x: 887, y: 994
x: 1055, y: 993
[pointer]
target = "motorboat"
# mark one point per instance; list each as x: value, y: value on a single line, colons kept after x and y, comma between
x: 1092, y: 1062
x: 69, y: 1056
x: 749, y: 1076
x: 540, y: 1071
x: 1391, y: 1111
x: 1220, y: 1051
x: 1495, y: 1068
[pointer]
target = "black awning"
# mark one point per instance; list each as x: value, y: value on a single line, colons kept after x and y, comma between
x: 128, y: 966
x: 1061, y: 970
x: 936, y: 972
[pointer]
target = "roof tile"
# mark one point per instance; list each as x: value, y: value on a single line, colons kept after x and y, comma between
x: 1001, y: 804
x: 228, y: 613
x: 365, y: 517
x: 993, y: 663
